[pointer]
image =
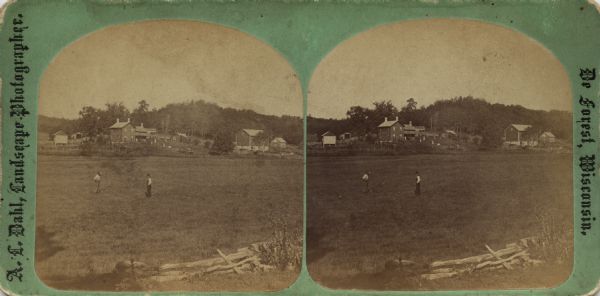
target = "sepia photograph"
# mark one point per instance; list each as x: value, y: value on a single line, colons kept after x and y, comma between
x: 170, y: 157
x: 439, y: 157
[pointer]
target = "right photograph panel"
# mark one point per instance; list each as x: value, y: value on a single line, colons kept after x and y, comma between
x: 439, y: 157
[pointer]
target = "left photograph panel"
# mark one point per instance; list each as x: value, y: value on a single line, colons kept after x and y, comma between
x: 169, y: 159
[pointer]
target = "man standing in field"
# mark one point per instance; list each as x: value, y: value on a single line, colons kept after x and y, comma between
x: 148, y: 186
x: 418, y: 185
x: 365, y: 179
x: 97, y: 179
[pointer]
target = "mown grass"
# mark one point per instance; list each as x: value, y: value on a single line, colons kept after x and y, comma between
x: 467, y: 201
x: 197, y: 206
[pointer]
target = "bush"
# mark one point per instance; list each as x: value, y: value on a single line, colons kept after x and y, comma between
x: 86, y: 149
x: 284, y: 249
x: 223, y: 143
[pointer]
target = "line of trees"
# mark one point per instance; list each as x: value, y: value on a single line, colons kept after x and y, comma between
x: 197, y: 118
x: 461, y: 114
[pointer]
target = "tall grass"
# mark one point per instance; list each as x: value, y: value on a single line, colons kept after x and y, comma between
x: 284, y: 249
x: 554, y: 237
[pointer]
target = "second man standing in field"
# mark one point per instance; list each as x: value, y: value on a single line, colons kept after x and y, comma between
x: 418, y: 184
x: 148, y: 186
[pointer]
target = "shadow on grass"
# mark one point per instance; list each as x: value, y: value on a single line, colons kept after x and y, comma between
x: 91, y: 282
x: 46, y: 245
x: 315, y: 251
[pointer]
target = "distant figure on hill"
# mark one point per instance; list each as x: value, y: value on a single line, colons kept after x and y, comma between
x: 148, y: 186
x: 97, y: 179
x: 365, y: 179
x: 418, y: 185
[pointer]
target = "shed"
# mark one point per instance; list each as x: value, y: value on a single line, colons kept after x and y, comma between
x: 278, y: 142
x: 76, y: 135
x: 346, y: 136
x: 60, y: 138
x: 547, y: 137
x: 329, y: 139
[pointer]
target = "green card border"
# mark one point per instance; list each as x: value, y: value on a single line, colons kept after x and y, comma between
x: 570, y: 29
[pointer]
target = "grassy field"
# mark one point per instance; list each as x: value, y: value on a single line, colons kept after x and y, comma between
x: 467, y: 201
x: 198, y: 205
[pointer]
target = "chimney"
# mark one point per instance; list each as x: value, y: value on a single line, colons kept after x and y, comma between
x: 410, y: 123
x: 142, y: 125
x: 117, y: 120
x: 127, y: 119
x: 396, y: 118
x: 386, y: 119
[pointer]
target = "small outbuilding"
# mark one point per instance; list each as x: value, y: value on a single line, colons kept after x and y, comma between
x: 60, y: 138
x: 329, y: 139
x: 346, y: 136
x: 547, y: 137
x: 278, y: 143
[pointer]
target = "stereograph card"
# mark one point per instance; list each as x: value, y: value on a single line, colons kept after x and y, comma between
x: 300, y: 147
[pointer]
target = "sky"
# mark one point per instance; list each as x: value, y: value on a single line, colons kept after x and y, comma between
x: 169, y: 61
x: 424, y: 60
x: 429, y: 60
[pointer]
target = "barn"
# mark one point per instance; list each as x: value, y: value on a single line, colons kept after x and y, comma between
x: 520, y: 135
x: 250, y: 139
x: 390, y: 131
x: 60, y: 138
x: 121, y: 132
x: 329, y: 139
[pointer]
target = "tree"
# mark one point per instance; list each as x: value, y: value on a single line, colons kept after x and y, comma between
x: 142, y: 106
x: 491, y: 136
x: 385, y: 108
x: 89, y: 120
x: 358, y: 118
x: 381, y: 110
x: 262, y: 139
x: 411, y: 105
x: 223, y: 143
x: 140, y: 114
x: 113, y: 112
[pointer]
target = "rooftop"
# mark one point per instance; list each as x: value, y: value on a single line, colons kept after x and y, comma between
x: 252, y: 132
x: 119, y: 124
x: 388, y: 123
x: 521, y: 127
